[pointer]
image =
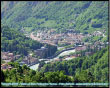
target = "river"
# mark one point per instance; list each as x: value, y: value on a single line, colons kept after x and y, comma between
x: 34, y: 67
x: 67, y: 52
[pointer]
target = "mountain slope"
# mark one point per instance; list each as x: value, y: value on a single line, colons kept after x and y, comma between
x: 84, y: 16
x: 96, y: 64
x: 14, y: 41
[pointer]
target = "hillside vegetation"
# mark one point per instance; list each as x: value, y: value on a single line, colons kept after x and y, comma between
x: 84, y: 16
x: 78, y: 70
x: 96, y: 65
x: 15, y: 42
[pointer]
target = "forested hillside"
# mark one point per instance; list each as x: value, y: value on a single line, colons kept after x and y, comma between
x: 79, y: 70
x: 14, y: 41
x: 96, y: 65
x: 59, y: 15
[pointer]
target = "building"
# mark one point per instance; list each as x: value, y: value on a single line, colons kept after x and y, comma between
x: 41, y: 52
x: 17, y: 57
x: 80, y: 48
x: 88, y: 53
x: 7, y: 57
x: 6, y: 66
x: 29, y: 60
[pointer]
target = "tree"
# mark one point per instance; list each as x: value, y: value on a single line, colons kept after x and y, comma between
x: 32, y: 73
x: 83, y: 77
x: 2, y: 76
x: 38, y: 77
x: 41, y: 64
x: 57, y: 77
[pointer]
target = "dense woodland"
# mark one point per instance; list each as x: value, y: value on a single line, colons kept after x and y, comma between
x: 84, y: 16
x: 79, y: 70
x: 96, y: 65
x: 15, y: 42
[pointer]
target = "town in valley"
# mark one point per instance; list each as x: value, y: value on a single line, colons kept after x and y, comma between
x: 70, y: 44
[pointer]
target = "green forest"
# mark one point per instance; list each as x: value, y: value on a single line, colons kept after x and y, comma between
x: 79, y: 70
x: 84, y: 16
x: 14, y: 41
x: 97, y: 65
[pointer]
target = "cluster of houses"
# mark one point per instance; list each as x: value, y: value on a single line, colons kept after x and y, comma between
x: 97, y: 33
x: 53, y: 38
x: 70, y: 37
x: 29, y: 60
x: 8, y: 57
x: 5, y: 66
x: 67, y: 38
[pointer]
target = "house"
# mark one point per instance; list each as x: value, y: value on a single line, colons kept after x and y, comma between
x: 88, y: 53
x: 77, y: 54
x: 17, y: 57
x: 33, y: 61
x: 57, y: 59
x: 8, y: 60
x: 79, y: 48
x: 41, y: 52
x: 21, y: 63
x: 7, y: 57
x: 29, y: 60
x: 6, y: 66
